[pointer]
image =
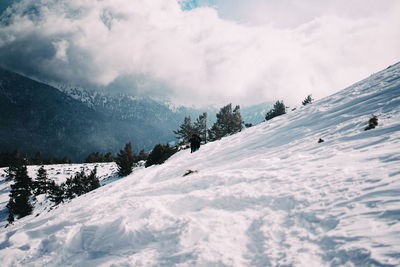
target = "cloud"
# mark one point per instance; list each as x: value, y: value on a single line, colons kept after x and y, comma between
x: 199, y: 56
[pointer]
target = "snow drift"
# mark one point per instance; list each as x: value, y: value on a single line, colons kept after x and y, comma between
x: 270, y: 195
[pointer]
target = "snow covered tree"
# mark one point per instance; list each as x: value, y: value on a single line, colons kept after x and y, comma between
x: 278, y: 109
x: 307, y: 100
x: 125, y: 160
x: 19, y: 204
x: 200, y: 126
x: 160, y: 154
x: 185, y: 131
x: 228, y: 122
x: 41, y: 184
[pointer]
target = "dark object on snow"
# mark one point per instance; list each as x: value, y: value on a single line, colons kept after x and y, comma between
x: 194, y: 142
x: 19, y: 205
x: 125, y: 160
x: 307, y: 100
x: 278, y: 109
x: 372, y: 123
x: 321, y: 140
x: 160, y: 154
x: 190, y: 172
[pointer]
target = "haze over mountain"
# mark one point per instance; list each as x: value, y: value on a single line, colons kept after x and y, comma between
x: 74, y: 122
x: 37, y: 117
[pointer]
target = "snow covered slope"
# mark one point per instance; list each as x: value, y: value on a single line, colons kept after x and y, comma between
x: 268, y: 196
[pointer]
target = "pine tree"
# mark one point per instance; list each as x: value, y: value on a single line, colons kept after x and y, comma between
x: 237, y: 122
x: 278, y: 109
x: 41, y: 183
x: 69, y: 188
x: 38, y: 159
x: 108, y: 157
x: 92, y: 157
x: 15, y: 161
x: 125, y: 160
x: 93, y: 180
x: 19, y: 203
x: 307, y: 100
x: 80, y: 184
x: 228, y: 122
x: 200, y: 126
x: 185, y: 130
x: 143, y: 155
x: 56, y: 192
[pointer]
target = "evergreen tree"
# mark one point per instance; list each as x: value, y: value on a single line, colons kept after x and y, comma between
x: 80, y: 184
x: 143, y: 155
x: 228, y: 122
x: 200, y: 126
x: 69, y: 188
x: 125, y: 160
x: 56, y: 192
x: 91, y: 158
x: 38, y: 159
x: 19, y: 203
x: 66, y: 160
x: 93, y: 180
x: 237, y: 122
x: 278, y: 109
x: 108, y: 157
x: 185, y: 131
x: 41, y: 183
x: 307, y: 100
x: 14, y: 162
x: 160, y: 154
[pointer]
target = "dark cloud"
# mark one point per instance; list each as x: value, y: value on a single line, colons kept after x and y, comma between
x: 155, y: 48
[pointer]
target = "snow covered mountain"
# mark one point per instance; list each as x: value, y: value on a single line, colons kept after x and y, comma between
x: 270, y: 195
x: 37, y: 117
x: 124, y: 106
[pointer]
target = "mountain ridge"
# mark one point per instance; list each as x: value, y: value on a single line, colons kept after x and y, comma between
x: 112, y: 120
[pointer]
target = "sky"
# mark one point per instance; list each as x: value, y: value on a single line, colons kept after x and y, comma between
x: 202, y: 52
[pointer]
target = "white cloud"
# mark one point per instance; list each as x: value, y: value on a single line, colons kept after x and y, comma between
x: 197, y: 57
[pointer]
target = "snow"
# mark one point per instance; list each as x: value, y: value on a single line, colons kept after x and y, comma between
x: 268, y: 196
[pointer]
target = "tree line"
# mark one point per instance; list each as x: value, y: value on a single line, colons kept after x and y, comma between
x: 229, y: 121
x: 24, y: 189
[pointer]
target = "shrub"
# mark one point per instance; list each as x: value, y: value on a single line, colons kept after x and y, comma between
x: 160, y: 154
x: 372, y: 123
x: 307, y: 100
x: 278, y: 109
x: 125, y: 160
